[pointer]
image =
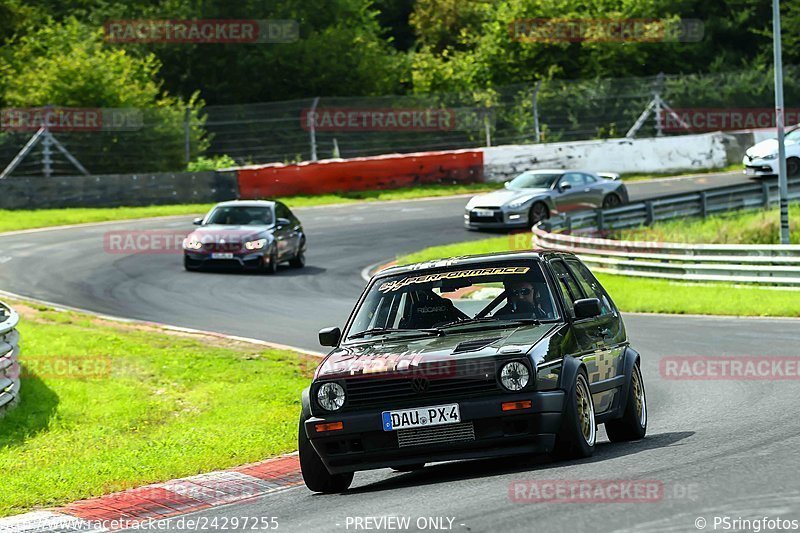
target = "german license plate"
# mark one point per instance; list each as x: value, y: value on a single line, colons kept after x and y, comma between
x: 483, y: 213
x: 421, y: 417
x: 222, y: 255
x: 749, y: 171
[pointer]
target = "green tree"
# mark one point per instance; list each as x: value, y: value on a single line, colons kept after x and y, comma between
x: 68, y: 64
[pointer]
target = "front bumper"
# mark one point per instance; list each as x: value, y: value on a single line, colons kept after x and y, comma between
x: 240, y: 260
x: 760, y: 167
x: 500, y: 219
x: 363, y: 445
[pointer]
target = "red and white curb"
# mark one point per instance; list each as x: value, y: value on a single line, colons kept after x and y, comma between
x: 162, y: 501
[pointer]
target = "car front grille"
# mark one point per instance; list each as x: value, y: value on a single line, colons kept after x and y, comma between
x: 387, y: 392
x: 226, y: 247
x: 436, y: 434
x: 497, y: 217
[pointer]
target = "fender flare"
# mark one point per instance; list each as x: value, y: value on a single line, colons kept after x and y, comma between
x: 631, y: 358
x: 569, y: 371
x: 305, y: 405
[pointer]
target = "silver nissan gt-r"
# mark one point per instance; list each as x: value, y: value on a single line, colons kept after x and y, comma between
x: 536, y: 195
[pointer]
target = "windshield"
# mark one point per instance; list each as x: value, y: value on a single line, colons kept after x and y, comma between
x: 492, y: 295
x: 793, y: 135
x: 240, y: 216
x: 534, y: 180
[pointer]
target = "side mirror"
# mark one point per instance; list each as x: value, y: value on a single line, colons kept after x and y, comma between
x: 587, y: 308
x: 281, y: 222
x: 198, y: 221
x: 566, y: 186
x: 331, y: 336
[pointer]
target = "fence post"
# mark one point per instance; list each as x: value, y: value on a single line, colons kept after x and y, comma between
x: 47, y: 152
x: 704, y: 204
x: 535, y: 99
x: 487, y: 130
x: 187, y: 139
x: 568, y: 224
x: 650, y: 214
x: 600, y: 219
x: 765, y: 192
x: 312, y: 132
x: 658, y: 107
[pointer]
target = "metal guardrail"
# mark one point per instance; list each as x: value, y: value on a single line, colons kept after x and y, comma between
x: 9, y: 364
x: 772, y: 264
x: 694, y: 204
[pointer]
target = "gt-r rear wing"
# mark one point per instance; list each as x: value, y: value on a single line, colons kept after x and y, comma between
x: 609, y: 175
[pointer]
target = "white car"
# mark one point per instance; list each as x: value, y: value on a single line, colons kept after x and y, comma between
x: 762, y: 159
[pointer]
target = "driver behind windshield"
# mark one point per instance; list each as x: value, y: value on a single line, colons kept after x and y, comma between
x: 525, y: 300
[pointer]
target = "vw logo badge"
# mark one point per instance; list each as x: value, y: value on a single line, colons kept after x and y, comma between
x: 420, y: 385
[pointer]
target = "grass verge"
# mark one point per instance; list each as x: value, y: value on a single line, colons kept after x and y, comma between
x: 12, y: 220
x: 140, y: 404
x: 639, y: 177
x: 652, y: 295
x: 759, y: 226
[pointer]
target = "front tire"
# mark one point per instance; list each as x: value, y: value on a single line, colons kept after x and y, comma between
x: 578, y: 434
x: 315, y: 475
x: 271, y: 265
x: 299, y: 261
x: 612, y: 200
x: 538, y: 212
x: 633, y: 424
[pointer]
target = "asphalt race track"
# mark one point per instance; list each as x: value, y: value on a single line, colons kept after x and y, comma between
x: 716, y: 448
x: 71, y: 267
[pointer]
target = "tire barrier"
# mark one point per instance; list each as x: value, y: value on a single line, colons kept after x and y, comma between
x: 9, y: 353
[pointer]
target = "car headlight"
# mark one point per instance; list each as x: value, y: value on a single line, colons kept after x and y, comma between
x: 514, y: 376
x: 516, y: 204
x: 769, y: 156
x: 255, y: 245
x: 330, y: 396
x: 192, y: 244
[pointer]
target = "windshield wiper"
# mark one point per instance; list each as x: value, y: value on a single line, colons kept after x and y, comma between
x: 485, y: 319
x: 380, y: 331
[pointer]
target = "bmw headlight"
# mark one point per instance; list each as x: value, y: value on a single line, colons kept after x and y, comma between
x: 516, y: 204
x: 192, y: 244
x: 255, y: 245
x: 330, y: 396
x: 769, y: 156
x: 514, y: 376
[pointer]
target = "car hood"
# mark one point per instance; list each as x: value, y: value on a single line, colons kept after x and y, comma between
x: 768, y: 147
x: 231, y: 234
x: 504, y: 196
x: 398, y: 356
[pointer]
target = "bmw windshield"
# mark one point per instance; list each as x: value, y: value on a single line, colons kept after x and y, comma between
x: 433, y: 302
x: 240, y: 216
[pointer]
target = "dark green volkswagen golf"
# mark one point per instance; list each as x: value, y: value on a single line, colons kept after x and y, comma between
x: 471, y: 357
